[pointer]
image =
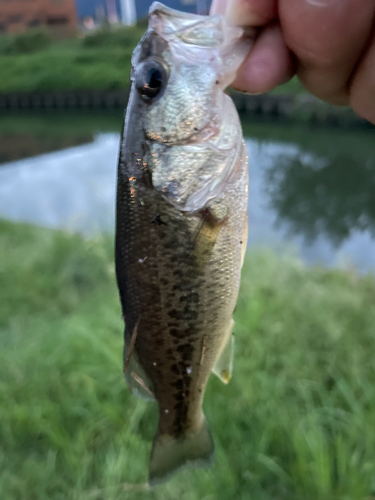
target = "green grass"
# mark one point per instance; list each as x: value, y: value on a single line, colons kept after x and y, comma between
x: 293, y: 87
x: 296, y: 422
x: 97, y: 62
x: 101, y: 61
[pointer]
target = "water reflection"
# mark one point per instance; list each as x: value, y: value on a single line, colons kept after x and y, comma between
x: 324, y: 196
x: 15, y: 147
x: 32, y: 135
x: 310, y: 190
x: 73, y: 189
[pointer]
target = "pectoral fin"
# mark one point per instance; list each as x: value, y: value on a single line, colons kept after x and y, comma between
x: 211, y: 222
x: 224, y: 363
x: 204, y: 242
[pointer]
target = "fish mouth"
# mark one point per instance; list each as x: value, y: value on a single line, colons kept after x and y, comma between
x: 191, y: 29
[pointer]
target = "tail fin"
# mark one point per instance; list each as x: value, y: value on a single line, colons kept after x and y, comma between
x: 195, y: 449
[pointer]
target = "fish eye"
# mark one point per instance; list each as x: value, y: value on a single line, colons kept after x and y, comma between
x: 150, y: 80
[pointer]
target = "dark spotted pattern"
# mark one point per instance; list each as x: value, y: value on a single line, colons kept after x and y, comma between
x: 178, y: 304
x: 178, y: 276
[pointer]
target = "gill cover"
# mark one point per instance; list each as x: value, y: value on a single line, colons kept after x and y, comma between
x: 192, y: 132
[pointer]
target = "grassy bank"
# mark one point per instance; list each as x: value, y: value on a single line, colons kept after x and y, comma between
x: 296, y: 422
x: 100, y: 61
x: 31, y: 62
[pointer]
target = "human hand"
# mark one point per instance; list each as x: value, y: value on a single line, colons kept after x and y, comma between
x: 329, y: 44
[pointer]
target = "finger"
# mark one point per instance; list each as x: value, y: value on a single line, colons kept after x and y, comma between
x: 328, y: 37
x: 246, y: 12
x: 218, y: 7
x: 268, y: 64
x: 362, y: 88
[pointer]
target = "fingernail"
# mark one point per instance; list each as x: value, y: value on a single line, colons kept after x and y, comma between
x: 218, y: 7
x: 232, y: 13
x: 239, y: 13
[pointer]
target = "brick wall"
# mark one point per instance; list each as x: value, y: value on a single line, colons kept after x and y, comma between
x: 18, y: 15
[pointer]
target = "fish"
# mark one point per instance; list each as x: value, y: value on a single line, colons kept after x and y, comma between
x: 181, y: 225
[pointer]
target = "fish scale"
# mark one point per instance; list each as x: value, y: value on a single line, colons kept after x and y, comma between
x: 179, y: 249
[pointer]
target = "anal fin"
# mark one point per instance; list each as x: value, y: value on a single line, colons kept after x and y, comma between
x: 224, y: 363
x: 135, y: 376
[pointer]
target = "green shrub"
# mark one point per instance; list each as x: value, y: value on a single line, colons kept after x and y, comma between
x: 29, y: 41
x: 65, y: 69
x: 4, y: 42
x: 119, y: 37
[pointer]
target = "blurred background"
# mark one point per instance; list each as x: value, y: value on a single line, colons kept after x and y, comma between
x: 297, y: 421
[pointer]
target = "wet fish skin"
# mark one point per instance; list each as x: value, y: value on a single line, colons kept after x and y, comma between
x: 180, y: 231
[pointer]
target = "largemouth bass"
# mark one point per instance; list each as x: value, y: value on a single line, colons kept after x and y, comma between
x: 181, y: 228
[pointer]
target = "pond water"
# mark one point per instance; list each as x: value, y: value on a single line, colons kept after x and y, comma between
x: 312, y: 191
